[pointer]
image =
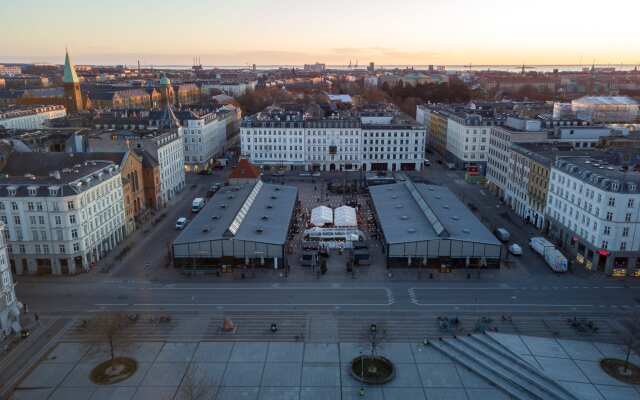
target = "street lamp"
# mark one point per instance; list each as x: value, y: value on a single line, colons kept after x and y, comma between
x: 373, y: 328
x: 274, y: 328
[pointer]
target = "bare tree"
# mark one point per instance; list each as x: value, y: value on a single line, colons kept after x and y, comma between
x: 110, y: 328
x: 196, y: 385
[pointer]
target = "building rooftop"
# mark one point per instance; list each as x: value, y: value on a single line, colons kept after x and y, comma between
x: 606, y: 100
x: 257, y: 212
x: 24, y: 110
x: 404, y: 219
x: 245, y: 170
x: 613, y: 171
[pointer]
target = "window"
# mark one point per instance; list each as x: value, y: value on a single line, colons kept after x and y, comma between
x: 62, y: 249
x: 72, y: 219
x: 14, y: 206
x: 41, y: 219
x: 625, y: 231
x: 605, y: 244
x: 30, y: 206
x: 612, y: 201
x: 627, y: 217
x: 70, y: 205
x: 609, y: 216
x: 607, y: 230
x: 58, y: 220
x: 630, y: 203
x: 74, y: 233
x: 16, y: 219
x: 76, y: 247
x: 623, y: 245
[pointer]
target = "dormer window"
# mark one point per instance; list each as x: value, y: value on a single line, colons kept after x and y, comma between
x: 12, y: 190
x: 53, y: 190
x: 33, y: 190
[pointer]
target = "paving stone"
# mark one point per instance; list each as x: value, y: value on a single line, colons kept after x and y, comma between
x: 208, y: 352
x: 155, y: 393
x: 209, y: 374
x: 67, y: 353
x: 370, y: 393
x: 349, y: 351
x: 428, y: 354
x: 562, y: 369
x: 79, y: 376
x: 445, y: 394
x: 585, y: 391
x: 114, y: 393
x: 66, y: 393
x: 397, y: 352
x: 321, y: 352
x: 317, y: 393
x: 165, y: 374
x: 200, y: 393
x: 177, y: 352
x: 579, y: 350
x: 144, y: 352
x: 285, y: 352
x: 487, y: 394
x: 236, y: 393
x: 439, y: 375
x: 32, y: 394
x: 470, y: 379
x: 47, y: 375
x: 271, y: 393
x: 512, y: 342
x: 243, y: 374
x: 407, y: 376
x: 320, y: 375
x: 282, y: 374
x: 545, y: 347
x: 618, y: 392
x: 249, y: 352
x: 403, y: 393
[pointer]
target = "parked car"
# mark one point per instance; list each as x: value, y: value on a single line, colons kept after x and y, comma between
x: 427, y: 162
x: 515, y: 249
x: 502, y: 234
x: 181, y: 223
x: 316, y: 174
x: 305, y: 174
x: 197, y: 204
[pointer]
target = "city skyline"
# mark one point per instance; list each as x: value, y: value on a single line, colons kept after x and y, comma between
x: 248, y: 32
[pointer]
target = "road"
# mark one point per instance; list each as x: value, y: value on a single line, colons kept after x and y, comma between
x: 390, y: 296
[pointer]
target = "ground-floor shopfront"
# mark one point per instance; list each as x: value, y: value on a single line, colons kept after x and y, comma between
x: 582, y: 254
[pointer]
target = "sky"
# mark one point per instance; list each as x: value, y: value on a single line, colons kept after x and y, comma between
x: 294, y: 32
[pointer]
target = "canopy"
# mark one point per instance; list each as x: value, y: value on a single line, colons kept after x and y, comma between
x: 345, y: 216
x: 321, y: 216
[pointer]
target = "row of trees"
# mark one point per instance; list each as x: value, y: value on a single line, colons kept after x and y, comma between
x: 406, y: 97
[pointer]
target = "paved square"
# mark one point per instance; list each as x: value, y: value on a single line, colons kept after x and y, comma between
x: 314, y: 371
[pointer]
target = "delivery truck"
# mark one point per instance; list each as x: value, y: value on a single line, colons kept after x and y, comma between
x: 552, y: 256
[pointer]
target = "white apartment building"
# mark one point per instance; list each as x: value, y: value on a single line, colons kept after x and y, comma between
x: 30, y: 117
x: 499, y: 156
x: 594, y: 208
x: 62, y: 215
x: 468, y: 139
x: 205, y: 134
x: 367, y: 142
x: 9, y: 305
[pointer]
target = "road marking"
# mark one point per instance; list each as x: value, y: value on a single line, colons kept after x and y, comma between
x: 503, y: 305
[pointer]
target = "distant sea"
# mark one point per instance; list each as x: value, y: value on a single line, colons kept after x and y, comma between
x: 459, y: 68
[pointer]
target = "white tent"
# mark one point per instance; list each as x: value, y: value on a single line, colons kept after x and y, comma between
x: 345, y: 216
x: 321, y: 216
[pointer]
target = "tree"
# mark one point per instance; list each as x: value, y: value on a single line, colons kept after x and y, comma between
x: 110, y: 328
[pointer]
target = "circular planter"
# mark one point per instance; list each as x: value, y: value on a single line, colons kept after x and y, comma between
x: 615, y: 368
x: 110, y: 372
x: 375, y: 370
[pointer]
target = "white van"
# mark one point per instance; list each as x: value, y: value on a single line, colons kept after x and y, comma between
x: 197, y: 204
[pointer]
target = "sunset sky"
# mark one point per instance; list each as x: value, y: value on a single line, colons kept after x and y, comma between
x: 239, y: 32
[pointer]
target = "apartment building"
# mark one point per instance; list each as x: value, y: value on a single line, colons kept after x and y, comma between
x: 62, y: 213
x: 594, y: 209
x: 499, y: 154
x: 205, y: 134
x: 349, y: 141
x: 30, y: 117
x: 9, y: 305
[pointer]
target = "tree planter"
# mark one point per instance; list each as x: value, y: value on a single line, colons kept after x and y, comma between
x: 616, y: 369
x: 374, y: 370
x: 114, y: 371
